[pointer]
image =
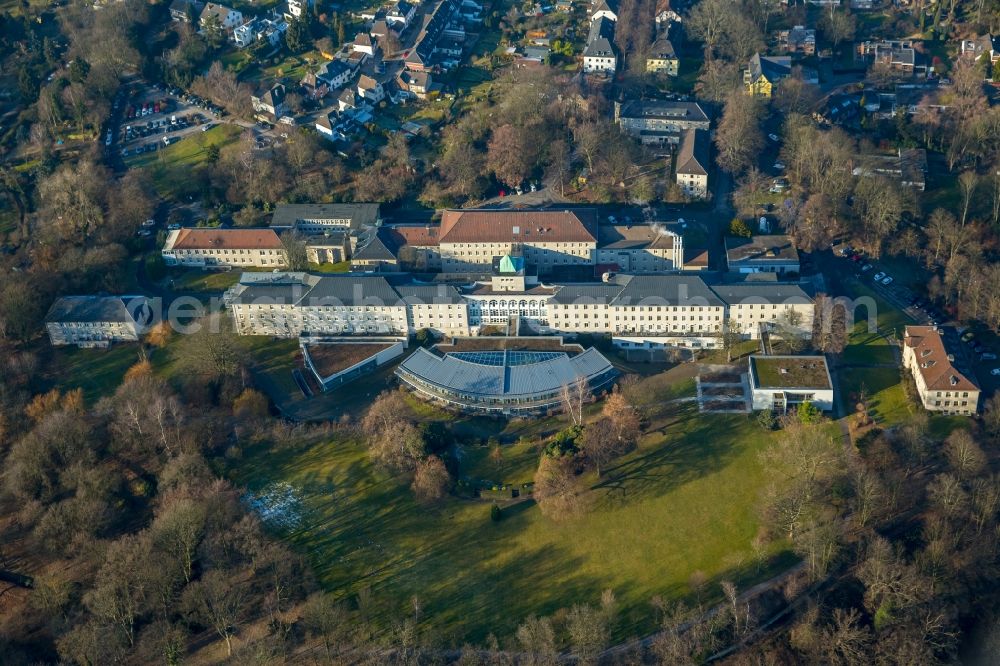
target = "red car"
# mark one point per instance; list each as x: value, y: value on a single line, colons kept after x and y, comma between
x: 156, y: 108
x: 856, y: 257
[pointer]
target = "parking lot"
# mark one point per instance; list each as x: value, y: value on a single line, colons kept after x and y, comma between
x: 147, y: 118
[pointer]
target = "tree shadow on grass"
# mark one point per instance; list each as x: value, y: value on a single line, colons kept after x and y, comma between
x: 701, y: 449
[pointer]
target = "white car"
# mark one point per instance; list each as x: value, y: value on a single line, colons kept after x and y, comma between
x: 887, y: 280
x: 995, y: 372
x: 878, y: 276
x: 773, y: 137
x: 866, y: 268
x: 779, y: 166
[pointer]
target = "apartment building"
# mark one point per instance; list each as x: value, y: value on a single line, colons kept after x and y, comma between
x: 659, y: 122
x: 211, y: 247
x: 944, y: 383
x: 97, y: 321
x: 662, y: 58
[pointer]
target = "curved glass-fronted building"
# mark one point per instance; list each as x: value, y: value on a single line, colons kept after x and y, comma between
x: 504, y: 381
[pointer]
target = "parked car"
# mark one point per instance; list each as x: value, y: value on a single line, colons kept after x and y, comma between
x: 866, y: 268
x: 878, y: 276
x: 967, y: 335
x: 773, y: 137
x: 988, y: 356
x: 887, y: 280
x: 779, y: 165
x: 995, y: 372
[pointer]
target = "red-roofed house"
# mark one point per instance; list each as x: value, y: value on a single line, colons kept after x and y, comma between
x: 942, y: 385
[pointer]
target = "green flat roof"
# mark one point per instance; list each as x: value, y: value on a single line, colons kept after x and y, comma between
x: 788, y: 372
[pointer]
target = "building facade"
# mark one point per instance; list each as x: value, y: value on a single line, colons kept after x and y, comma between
x: 210, y: 247
x: 944, y: 382
x: 97, y: 321
x: 658, y: 122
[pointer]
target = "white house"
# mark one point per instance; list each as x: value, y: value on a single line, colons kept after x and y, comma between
x: 297, y: 7
x: 943, y: 381
x: 693, y: 163
x: 400, y: 15
x: 783, y: 382
x: 228, y: 18
x: 370, y: 89
x: 599, y: 54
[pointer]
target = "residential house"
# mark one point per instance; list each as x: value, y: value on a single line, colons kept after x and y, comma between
x: 246, y: 34
x: 349, y: 100
x: 270, y: 102
x: 599, y: 53
x: 363, y: 43
x: 780, y: 383
x: 416, y: 84
x: 401, y: 14
x: 604, y: 9
x: 898, y: 54
x: 331, y: 75
x: 761, y: 254
x: 977, y: 47
x: 798, y: 40
x: 327, y: 122
x: 662, y: 58
x: 764, y: 72
x: 370, y: 90
x: 381, y: 30
x: 296, y: 8
x: 98, y: 321
x: 944, y: 380
x: 564, y: 6
x: 213, y: 247
x: 693, y: 163
x: 184, y: 11
x: 907, y: 166
x: 226, y: 18
x: 660, y: 122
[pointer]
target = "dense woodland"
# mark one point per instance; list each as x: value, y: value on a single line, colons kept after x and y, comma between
x: 145, y: 554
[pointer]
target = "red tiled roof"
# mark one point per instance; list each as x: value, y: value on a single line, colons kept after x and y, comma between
x: 419, y: 236
x: 229, y: 239
x: 499, y: 226
x: 939, y: 372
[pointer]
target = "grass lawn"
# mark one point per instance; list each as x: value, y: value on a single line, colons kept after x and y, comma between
x: 885, y: 391
x: 170, y: 167
x: 97, y: 371
x: 207, y: 281
x: 682, y: 503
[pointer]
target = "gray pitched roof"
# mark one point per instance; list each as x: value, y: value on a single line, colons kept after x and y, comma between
x: 693, y: 155
x: 663, y: 109
x: 761, y: 250
x: 632, y: 290
x: 121, y: 309
x: 360, y: 214
x: 602, y: 31
x: 769, y: 293
x: 772, y: 68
